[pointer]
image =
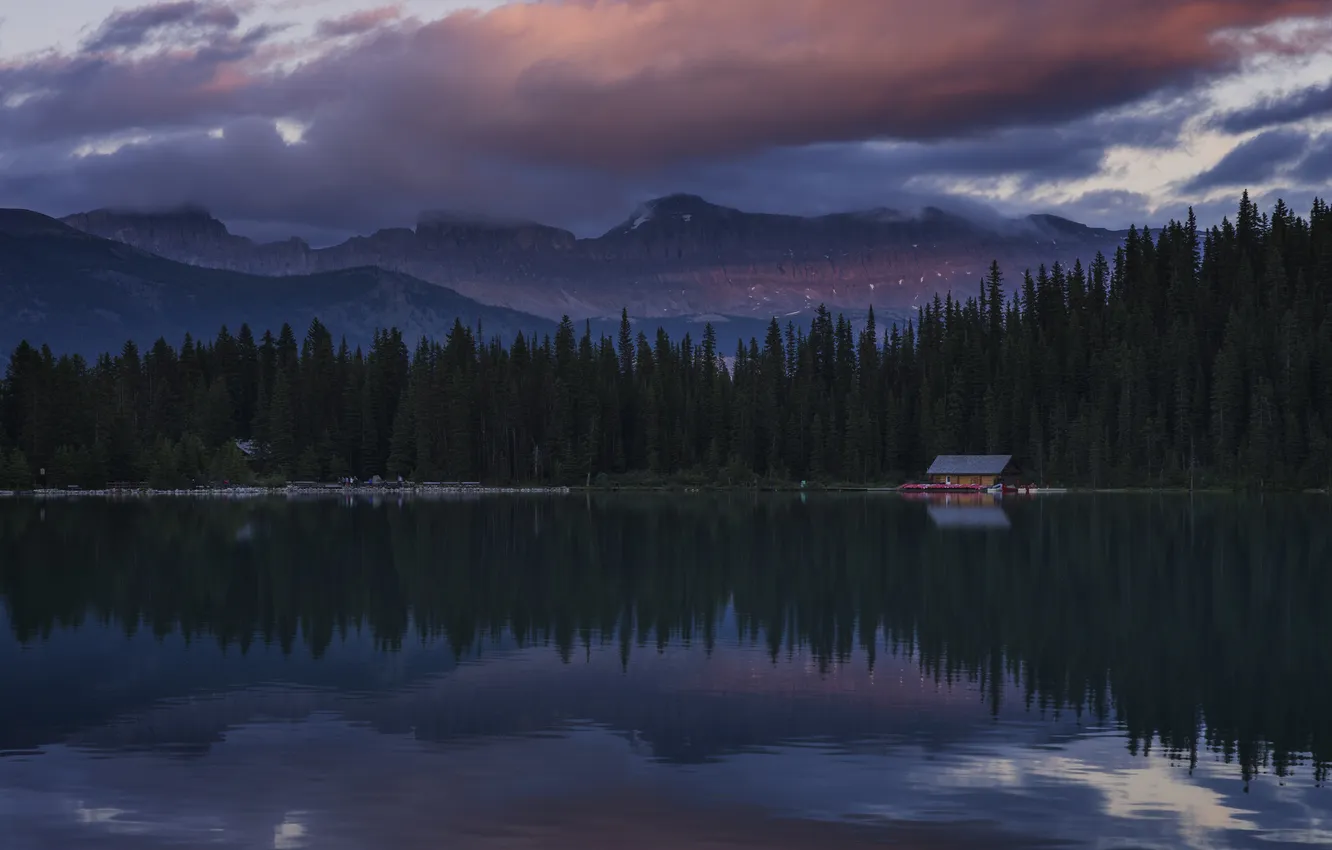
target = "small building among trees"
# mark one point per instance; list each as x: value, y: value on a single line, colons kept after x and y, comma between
x: 972, y: 470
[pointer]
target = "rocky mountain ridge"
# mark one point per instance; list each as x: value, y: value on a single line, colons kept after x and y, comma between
x: 674, y: 256
x: 84, y: 294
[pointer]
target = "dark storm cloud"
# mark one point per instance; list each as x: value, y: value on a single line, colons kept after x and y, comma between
x: 1046, y: 153
x: 134, y: 27
x: 358, y: 23
x: 1306, y: 103
x: 305, y: 184
x: 1032, y: 155
x: 1254, y: 161
x: 1316, y: 167
x: 634, y: 86
x: 75, y: 99
x: 817, y: 179
x: 564, y: 111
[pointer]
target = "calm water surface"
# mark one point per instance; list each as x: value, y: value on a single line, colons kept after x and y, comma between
x: 649, y: 671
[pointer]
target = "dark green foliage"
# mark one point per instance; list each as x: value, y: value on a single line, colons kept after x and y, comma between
x: 1203, y: 358
x: 164, y: 467
x: 230, y: 465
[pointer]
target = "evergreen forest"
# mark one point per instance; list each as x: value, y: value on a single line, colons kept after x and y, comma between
x: 1188, y: 357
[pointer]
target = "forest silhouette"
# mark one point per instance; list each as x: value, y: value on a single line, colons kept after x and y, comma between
x: 1190, y: 357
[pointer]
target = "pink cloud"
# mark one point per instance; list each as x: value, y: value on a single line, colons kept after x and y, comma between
x: 638, y: 83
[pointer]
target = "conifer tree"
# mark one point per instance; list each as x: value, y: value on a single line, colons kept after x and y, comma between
x: 281, y: 448
x: 1192, y: 356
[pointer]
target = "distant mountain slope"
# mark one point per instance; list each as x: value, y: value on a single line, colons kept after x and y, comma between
x: 81, y: 293
x: 675, y: 256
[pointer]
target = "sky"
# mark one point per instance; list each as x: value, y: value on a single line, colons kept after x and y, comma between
x: 322, y: 118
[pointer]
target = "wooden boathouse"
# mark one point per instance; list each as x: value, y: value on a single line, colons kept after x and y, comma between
x: 972, y: 470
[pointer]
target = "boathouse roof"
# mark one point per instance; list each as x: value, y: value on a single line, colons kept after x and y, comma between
x: 969, y: 465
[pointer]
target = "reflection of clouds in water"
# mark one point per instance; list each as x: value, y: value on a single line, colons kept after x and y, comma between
x: 1318, y: 817
x: 1151, y: 791
x: 327, y: 783
x: 321, y: 782
x: 1135, y: 790
x: 291, y: 833
x: 349, y: 769
x: 89, y: 816
x: 1090, y: 786
x: 995, y: 772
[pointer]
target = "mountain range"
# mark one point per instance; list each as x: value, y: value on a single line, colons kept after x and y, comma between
x: 82, y: 294
x: 674, y: 256
x: 675, y: 262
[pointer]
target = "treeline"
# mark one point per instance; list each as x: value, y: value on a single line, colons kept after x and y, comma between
x: 1198, y: 623
x: 1203, y: 356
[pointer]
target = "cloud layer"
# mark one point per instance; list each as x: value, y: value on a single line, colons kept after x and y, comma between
x: 1254, y: 161
x: 567, y: 111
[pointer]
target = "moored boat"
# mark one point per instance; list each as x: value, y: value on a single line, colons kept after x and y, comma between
x: 921, y: 487
x: 991, y: 489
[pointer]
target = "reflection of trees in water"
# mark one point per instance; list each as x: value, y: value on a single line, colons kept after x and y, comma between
x: 1195, y: 623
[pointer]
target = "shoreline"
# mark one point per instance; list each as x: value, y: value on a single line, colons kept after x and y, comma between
x: 441, y: 491
x: 256, y: 492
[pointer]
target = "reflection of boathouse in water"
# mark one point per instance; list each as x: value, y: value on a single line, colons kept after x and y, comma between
x: 967, y: 510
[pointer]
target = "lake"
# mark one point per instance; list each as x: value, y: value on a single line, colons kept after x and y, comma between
x: 653, y: 671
